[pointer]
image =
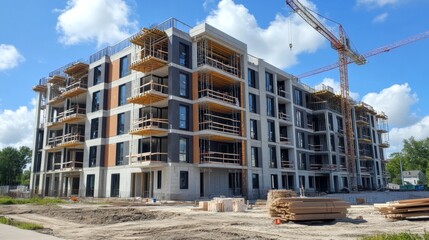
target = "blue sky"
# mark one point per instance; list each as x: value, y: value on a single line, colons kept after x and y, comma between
x: 38, y: 37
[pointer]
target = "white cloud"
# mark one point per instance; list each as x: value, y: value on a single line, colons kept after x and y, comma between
x: 17, y: 126
x: 9, y: 57
x: 380, y: 18
x: 377, y: 3
x: 207, y: 4
x: 271, y: 43
x: 396, y: 102
x: 103, y: 21
x: 418, y: 130
x: 336, y: 87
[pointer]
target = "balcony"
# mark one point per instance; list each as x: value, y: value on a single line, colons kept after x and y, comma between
x: 148, y: 157
x: 362, y: 121
x: 323, y: 167
x: 54, y: 143
x: 317, y: 147
x: 285, y: 140
x: 150, y: 126
x: 76, y: 88
x: 218, y: 123
x: 57, y: 80
x: 72, y: 115
x: 218, y: 56
x: 365, y: 155
x: 384, y: 144
x: 283, y: 116
x: 364, y: 139
x: 72, y: 140
x: 77, y: 69
x: 220, y: 157
x: 220, y: 96
x: 365, y: 169
x: 153, y: 50
x: 283, y: 93
x: 286, y: 164
x: 41, y: 86
x: 148, y: 93
x: 73, y: 161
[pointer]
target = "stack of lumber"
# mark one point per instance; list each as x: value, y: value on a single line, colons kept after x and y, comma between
x: 309, y: 209
x: 404, y: 208
x: 222, y: 205
x: 275, y: 194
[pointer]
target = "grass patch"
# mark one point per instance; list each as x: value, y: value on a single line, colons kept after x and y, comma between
x: 398, y: 236
x: 34, y: 200
x: 22, y: 225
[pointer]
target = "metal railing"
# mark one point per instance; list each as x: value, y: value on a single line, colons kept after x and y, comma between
x: 219, y: 65
x: 150, y: 86
x: 210, y: 123
x: 149, y: 156
x: 284, y: 116
x: 286, y: 164
x: 145, y: 123
x: 77, y: 84
x: 283, y: 93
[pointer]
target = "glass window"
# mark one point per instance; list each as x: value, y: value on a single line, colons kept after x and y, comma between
x: 269, y: 82
x: 114, y: 185
x: 90, y: 182
x: 302, y: 161
x: 97, y: 75
x: 159, y: 180
x: 96, y: 101
x: 123, y: 67
x: 183, y: 85
x: 183, y: 54
x: 301, y: 140
x: 251, y: 74
x: 273, y: 157
x: 311, y: 181
x: 270, y: 106
x: 94, y: 128
x: 274, y: 181
x: 119, y: 153
x: 253, y: 129
x: 254, y: 156
x: 120, y: 128
x: 183, y: 150
x: 297, y: 97
x: 183, y: 117
x: 122, y: 95
x: 183, y: 179
x: 92, y: 156
x: 255, y: 181
x: 252, y: 103
x: 271, y: 133
x: 299, y: 119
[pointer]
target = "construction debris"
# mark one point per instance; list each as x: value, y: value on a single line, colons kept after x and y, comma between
x: 222, y: 205
x: 400, y: 210
x: 308, y: 209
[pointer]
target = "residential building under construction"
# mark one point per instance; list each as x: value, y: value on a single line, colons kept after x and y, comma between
x: 183, y: 113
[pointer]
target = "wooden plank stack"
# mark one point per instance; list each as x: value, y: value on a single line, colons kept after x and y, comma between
x: 275, y: 194
x: 222, y: 205
x: 399, y: 210
x: 308, y: 209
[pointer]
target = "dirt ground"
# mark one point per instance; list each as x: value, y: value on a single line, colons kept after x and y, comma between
x: 123, y: 221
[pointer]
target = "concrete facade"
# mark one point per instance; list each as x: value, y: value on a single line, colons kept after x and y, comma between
x: 187, y: 113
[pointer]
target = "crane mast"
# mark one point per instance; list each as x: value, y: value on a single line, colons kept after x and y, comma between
x: 345, y: 54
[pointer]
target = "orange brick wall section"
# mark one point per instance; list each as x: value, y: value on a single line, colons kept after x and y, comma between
x: 111, y: 126
x: 114, y: 71
x: 110, y: 155
x: 112, y: 101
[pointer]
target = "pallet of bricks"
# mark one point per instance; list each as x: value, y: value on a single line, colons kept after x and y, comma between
x: 305, y: 209
x: 399, y: 210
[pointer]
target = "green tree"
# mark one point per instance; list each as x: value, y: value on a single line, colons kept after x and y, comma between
x: 414, y: 156
x: 12, y: 163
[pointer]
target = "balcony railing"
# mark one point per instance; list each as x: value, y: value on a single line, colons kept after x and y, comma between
x: 364, y: 154
x: 149, y: 157
x: 361, y: 120
x: 286, y: 164
x: 75, y: 88
x: 219, y: 65
x: 285, y: 140
x: 317, y: 148
x: 54, y: 142
x: 72, y: 114
x: 224, y: 97
x: 284, y: 116
x: 72, y: 139
x: 150, y: 92
x: 150, y: 126
x: 365, y: 139
x: 72, y: 165
x: 283, y: 93
x: 149, y: 59
x: 214, y: 122
x: 220, y: 157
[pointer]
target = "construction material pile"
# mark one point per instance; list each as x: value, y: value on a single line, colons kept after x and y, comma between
x: 276, y: 194
x: 404, y: 209
x: 308, y: 209
x: 222, y: 205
